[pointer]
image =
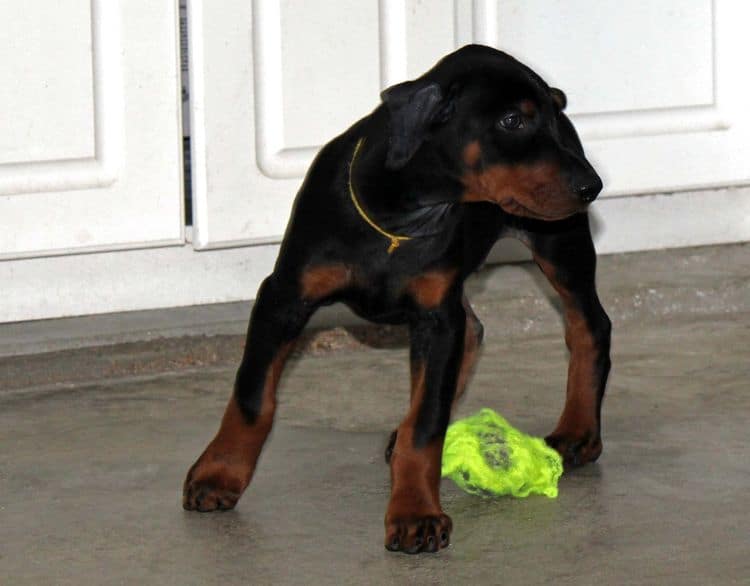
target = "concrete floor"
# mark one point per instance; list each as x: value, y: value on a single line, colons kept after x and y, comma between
x: 95, y: 442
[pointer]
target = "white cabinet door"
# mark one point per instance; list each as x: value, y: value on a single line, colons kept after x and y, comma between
x: 273, y: 80
x: 654, y: 87
x: 90, y: 134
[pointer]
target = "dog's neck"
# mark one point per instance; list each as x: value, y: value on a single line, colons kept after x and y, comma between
x: 402, y: 203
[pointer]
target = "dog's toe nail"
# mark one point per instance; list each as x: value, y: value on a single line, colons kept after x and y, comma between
x: 444, y: 539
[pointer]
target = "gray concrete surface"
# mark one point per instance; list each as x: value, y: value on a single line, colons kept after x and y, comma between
x: 94, y: 444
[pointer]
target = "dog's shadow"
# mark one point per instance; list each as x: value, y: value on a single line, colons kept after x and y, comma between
x: 322, y: 340
x: 511, y: 252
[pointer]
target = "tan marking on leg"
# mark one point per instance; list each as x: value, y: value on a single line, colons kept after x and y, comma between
x: 579, y: 417
x: 579, y: 414
x: 471, y: 352
x: 430, y: 288
x: 404, y: 453
x: 222, y: 473
x: 415, y: 483
x: 320, y: 281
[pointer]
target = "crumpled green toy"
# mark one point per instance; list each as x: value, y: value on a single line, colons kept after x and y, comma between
x: 484, y: 455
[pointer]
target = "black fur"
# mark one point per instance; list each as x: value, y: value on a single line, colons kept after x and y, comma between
x: 412, y: 177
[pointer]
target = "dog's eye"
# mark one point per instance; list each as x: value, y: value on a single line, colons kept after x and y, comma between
x: 511, y: 121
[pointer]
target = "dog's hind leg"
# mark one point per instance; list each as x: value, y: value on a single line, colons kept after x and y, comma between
x: 218, y: 478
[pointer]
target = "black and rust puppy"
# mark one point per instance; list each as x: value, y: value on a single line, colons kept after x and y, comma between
x: 393, y: 216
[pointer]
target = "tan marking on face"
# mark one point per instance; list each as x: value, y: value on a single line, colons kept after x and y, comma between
x: 320, y: 281
x: 528, y: 108
x: 430, y: 288
x: 531, y: 190
x: 472, y: 154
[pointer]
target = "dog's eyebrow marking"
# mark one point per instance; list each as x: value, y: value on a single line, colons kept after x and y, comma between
x: 430, y: 288
x: 528, y: 108
x: 320, y: 281
x: 472, y: 154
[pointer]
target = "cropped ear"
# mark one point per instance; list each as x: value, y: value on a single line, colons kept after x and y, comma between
x: 559, y: 98
x: 413, y: 106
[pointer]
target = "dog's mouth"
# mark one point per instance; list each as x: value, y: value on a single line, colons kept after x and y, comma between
x: 514, y: 207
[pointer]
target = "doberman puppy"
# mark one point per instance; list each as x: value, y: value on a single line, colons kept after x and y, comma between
x: 393, y: 216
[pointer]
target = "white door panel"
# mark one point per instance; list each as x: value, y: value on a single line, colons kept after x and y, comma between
x: 652, y: 87
x: 311, y: 104
x: 33, y: 81
x: 90, y: 144
x: 613, y: 56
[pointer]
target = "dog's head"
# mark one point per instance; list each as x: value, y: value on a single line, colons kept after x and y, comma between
x: 496, y: 126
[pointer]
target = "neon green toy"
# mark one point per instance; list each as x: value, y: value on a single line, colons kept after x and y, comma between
x: 483, y: 454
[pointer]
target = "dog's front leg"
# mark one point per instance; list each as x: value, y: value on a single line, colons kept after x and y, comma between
x: 568, y: 260
x: 414, y: 521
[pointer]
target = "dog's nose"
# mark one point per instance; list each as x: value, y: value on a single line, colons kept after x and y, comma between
x: 589, y: 190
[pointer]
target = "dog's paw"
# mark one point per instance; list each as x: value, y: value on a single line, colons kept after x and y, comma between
x: 213, y: 486
x: 576, y: 450
x: 204, y: 497
x: 418, y: 533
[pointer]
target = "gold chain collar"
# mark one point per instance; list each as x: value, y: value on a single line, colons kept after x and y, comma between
x: 395, y: 240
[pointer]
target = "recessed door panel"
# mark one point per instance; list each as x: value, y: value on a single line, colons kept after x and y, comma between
x: 90, y: 149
